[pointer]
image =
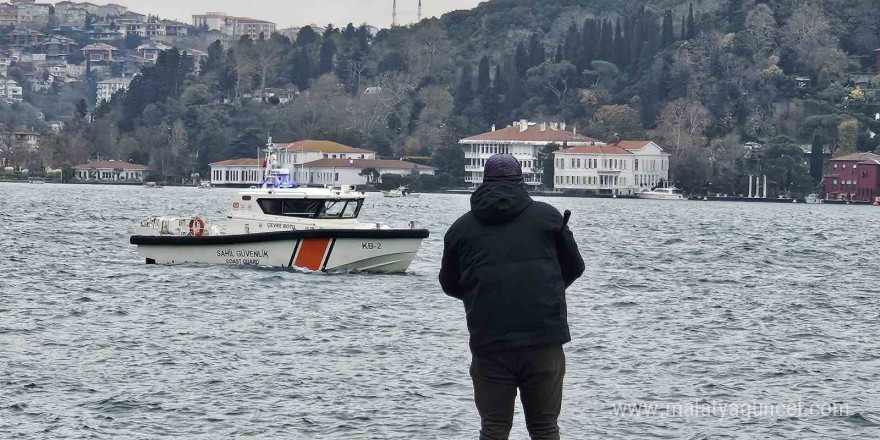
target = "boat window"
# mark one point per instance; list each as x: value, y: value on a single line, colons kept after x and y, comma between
x: 333, y: 208
x: 301, y: 208
x: 291, y: 207
x: 306, y: 208
x: 342, y: 209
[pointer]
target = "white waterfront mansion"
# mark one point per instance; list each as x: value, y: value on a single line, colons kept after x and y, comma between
x: 525, y: 141
x: 313, y: 162
x: 624, y: 168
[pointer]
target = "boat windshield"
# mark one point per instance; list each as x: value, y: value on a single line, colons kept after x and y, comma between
x: 310, y: 208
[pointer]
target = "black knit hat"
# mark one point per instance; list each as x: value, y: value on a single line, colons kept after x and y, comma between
x: 502, y: 168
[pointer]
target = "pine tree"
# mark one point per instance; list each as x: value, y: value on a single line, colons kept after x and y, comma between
x: 483, y: 80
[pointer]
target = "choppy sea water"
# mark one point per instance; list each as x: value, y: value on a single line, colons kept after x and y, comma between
x: 683, y: 305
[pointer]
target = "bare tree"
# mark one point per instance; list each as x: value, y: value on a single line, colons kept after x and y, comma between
x: 266, y: 52
x: 809, y: 34
x: 428, y: 50
x: 762, y: 26
x: 365, y: 115
x: 681, y: 125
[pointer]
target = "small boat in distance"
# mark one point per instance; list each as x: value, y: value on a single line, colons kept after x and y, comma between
x: 672, y: 193
x: 205, y: 185
x: 399, y: 192
x: 280, y: 224
x: 813, y: 199
x: 153, y: 185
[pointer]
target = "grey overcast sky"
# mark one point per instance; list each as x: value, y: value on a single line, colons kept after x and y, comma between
x: 299, y: 12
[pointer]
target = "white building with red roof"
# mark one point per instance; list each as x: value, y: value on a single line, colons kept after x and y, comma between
x: 312, y: 162
x: 525, y: 141
x: 111, y: 171
x: 626, y: 167
x: 338, y: 172
x: 236, y: 172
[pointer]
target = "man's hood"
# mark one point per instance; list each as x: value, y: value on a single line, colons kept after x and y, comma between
x: 499, y: 202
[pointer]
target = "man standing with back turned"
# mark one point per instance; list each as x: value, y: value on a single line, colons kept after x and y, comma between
x: 510, y: 260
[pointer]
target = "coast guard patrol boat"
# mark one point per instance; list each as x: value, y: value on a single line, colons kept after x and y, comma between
x: 280, y: 224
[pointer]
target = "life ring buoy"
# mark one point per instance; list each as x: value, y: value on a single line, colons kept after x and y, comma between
x: 196, y: 227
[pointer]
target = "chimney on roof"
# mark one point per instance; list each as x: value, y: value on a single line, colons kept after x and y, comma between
x: 523, y: 125
x: 493, y: 127
x: 543, y: 126
x: 554, y: 126
x: 575, y: 130
x: 563, y: 125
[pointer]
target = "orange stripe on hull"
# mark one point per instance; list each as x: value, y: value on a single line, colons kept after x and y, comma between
x: 311, y: 253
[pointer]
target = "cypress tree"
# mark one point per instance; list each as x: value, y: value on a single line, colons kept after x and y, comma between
x: 619, y: 51
x: 683, y: 29
x: 521, y: 60
x: 607, y: 41
x: 557, y: 58
x: 499, y: 87
x: 667, y: 29
x: 303, y: 68
x: 571, y: 44
x: 736, y: 15
x: 328, y: 51
x: 537, y: 54
x: 488, y: 94
x: 588, y: 35
x: 816, y: 159
x: 691, y: 29
x: 483, y: 80
x: 464, y: 93
x: 635, y: 42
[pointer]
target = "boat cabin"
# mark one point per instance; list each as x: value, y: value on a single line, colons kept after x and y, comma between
x: 283, y: 209
x: 310, y: 208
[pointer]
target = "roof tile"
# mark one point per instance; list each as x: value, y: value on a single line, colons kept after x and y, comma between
x: 533, y: 133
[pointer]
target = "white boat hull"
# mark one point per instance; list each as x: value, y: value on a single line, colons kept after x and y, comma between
x: 675, y: 197
x: 376, y: 251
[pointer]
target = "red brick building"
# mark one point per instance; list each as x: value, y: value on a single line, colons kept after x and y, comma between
x: 853, y: 177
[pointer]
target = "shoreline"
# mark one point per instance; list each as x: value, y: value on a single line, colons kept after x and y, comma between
x: 797, y: 201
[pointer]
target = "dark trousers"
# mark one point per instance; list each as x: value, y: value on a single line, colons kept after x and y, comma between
x: 537, y: 373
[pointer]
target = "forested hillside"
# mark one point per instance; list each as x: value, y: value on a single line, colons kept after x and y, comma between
x: 701, y: 79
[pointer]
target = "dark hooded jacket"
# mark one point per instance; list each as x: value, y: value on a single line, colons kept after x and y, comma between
x: 509, y: 260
